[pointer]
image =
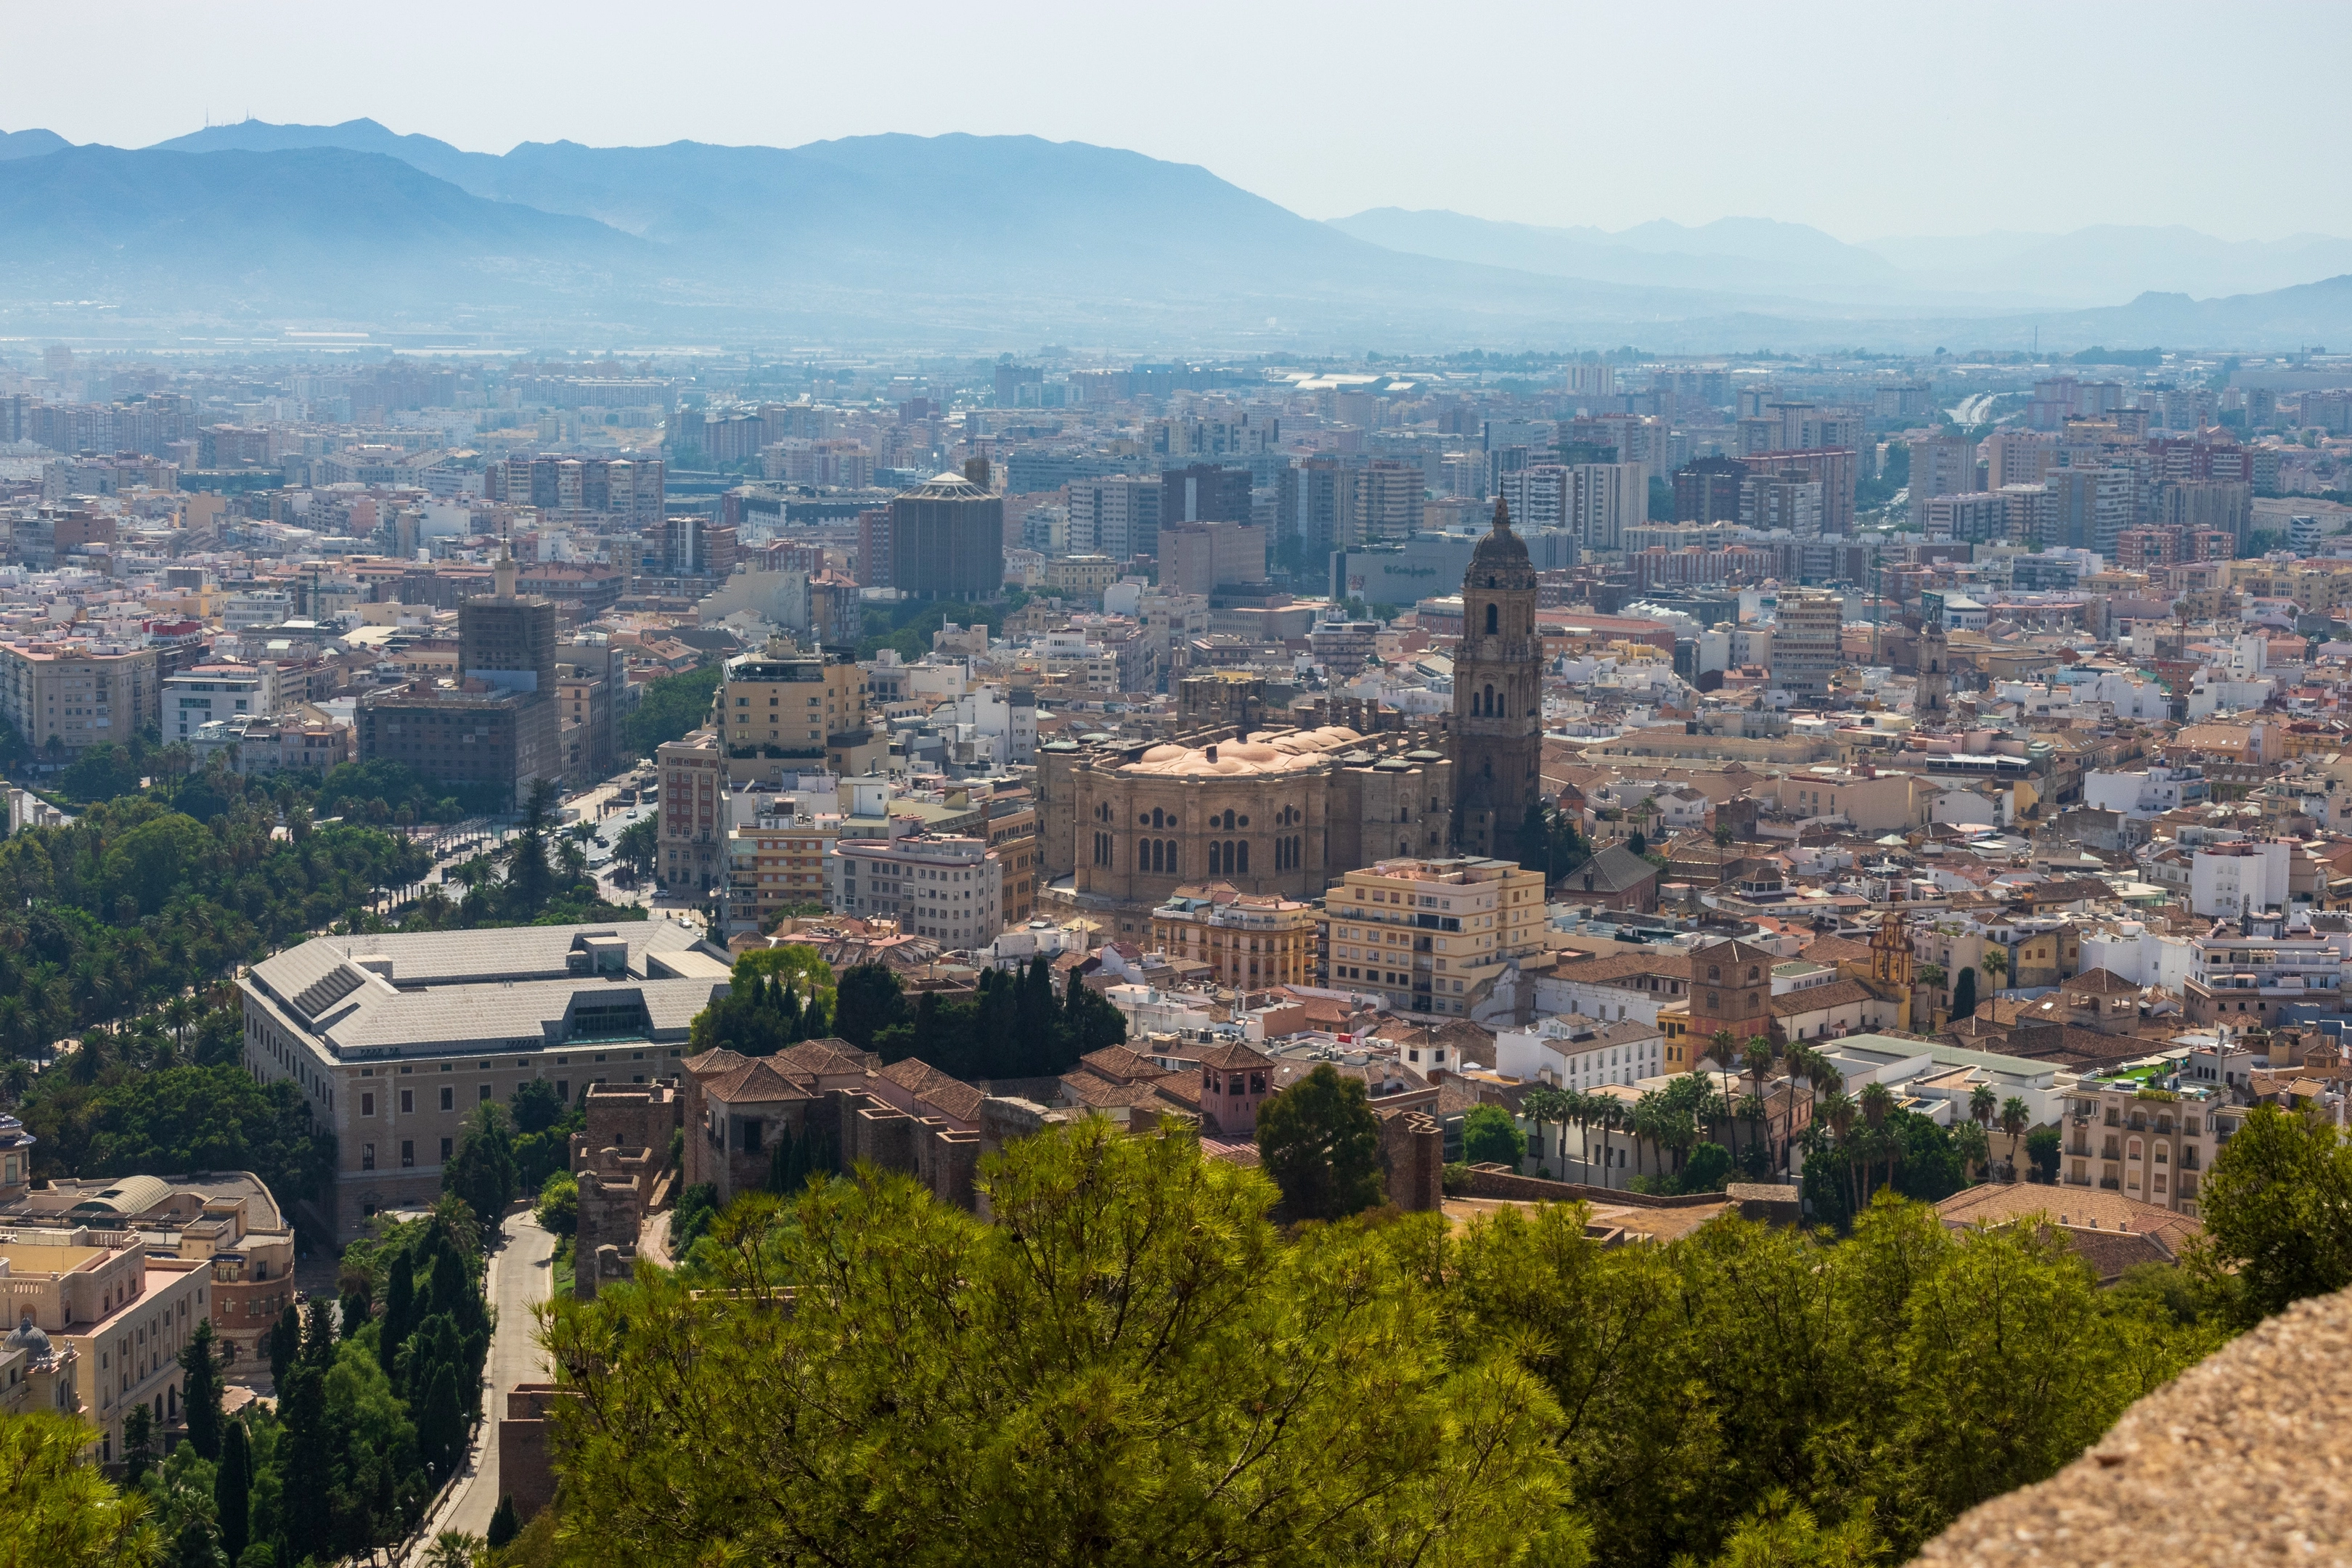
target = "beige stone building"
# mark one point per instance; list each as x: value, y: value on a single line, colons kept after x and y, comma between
x: 78, y: 693
x: 1433, y: 935
x: 1282, y: 812
x: 392, y: 1039
x: 1249, y: 941
x: 2152, y: 1145
x: 125, y: 1317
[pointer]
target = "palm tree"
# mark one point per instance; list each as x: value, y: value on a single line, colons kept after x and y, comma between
x: 1968, y: 1144
x: 1877, y: 1103
x: 1996, y: 967
x: 1723, y: 1048
x: 1613, y: 1119
x: 1839, y: 1111
x: 1752, y: 1112
x: 1647, y: 1125
x: 179, y: 1012
x: 2014, y: 1120
x: 1757, y: 1060
x: 1984, y: 1104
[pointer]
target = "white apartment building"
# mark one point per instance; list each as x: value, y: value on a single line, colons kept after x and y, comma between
x: 260, y: 607
x: 1572, y: 1051
x: 2148, y: 791
x: 945, y: 886
x: 2245, y: 878
x: 196, y: 697
x: 2245, y: 980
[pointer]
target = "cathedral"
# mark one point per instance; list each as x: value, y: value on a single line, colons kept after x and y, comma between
x: 1497, y: 696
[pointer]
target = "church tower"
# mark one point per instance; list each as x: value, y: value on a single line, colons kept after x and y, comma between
x: 1497, y: 695
x: 1933, y: 702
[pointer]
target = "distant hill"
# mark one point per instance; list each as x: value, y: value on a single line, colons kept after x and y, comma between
x: 31, y: 144
x: 990, y: 239
x: 317, y: 225
x: 1736, y: 255
x: 467, y: 171
x: 903, y: 234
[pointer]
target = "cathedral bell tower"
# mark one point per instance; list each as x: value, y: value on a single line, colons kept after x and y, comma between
x: 1497, y: 696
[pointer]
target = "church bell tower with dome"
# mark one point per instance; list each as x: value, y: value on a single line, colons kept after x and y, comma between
x: 1497, y: 696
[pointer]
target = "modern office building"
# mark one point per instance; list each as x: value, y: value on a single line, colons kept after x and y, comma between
x: 947, y: 540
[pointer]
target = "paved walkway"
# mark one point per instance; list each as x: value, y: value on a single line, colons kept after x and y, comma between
x: 520, y: 1278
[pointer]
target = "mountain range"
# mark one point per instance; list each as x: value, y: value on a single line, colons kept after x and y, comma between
x: 967, y: 239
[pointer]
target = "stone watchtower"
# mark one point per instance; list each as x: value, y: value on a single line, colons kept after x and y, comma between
x: 1497, y: 695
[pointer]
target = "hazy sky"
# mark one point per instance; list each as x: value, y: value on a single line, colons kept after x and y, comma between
x: 1864, y: 120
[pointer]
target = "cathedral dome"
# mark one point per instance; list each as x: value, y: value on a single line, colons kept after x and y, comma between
x: 1502, y: 554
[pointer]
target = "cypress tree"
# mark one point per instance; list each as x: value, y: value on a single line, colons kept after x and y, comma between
x: 319, y: 1337
x: 358, y: 1304
x: 285, y: 1345
x: 504, y: 1525
x: 816, y: 1024
x: 399, y: 1309
x: 200, y: 1389
x: 789, y: 1010
x: 441, y: 1423
x: 306, y: 1463
x: 233, y: 1491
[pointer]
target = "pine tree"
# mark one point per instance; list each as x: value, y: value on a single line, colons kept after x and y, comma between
x: 233, y: 1491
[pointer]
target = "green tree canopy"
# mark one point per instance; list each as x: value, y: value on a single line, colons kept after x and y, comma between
x: 2278, y: 1207
x: 1320, y: 1140
x: 482, y: 1170
x: 1490, y: 1136
x: 1127, y: 1365
x: 56, y: 1511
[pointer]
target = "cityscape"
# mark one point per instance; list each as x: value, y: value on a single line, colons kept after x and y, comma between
x: 951, y: 839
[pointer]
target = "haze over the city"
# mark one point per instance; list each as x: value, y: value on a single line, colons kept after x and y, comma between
x: 1736, y: 178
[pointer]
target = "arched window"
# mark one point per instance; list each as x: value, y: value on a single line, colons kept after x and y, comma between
x: 1487, y: 703
x: 1157, y: 821
x: 1174, y: 848
x: 1243, y: 850
x: 1490, y: 620
x: 1488, y: 764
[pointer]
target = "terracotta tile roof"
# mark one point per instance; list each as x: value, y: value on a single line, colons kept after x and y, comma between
x: 1622, y: 969
x: 1234, y: 1054
x: 1835, y: 950
x: 755, y: 1083
x: 1817, y: 998
x: 1469, y: 1042
x: 2102, y: 983
x: 714, y: 1062
x: 826, y: 1057
x: 949, y: 1096
x: 1999, y: 1203
x: 1117, y: 1064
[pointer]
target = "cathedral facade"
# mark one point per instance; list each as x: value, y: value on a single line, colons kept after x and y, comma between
x: 1497, y: 696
